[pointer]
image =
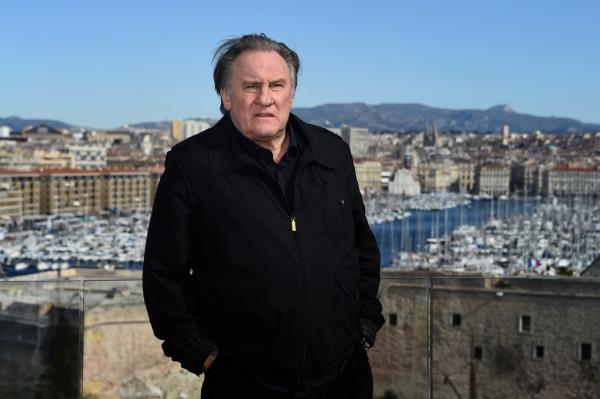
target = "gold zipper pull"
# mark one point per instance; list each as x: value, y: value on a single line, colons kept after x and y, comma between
x: 293, y: 220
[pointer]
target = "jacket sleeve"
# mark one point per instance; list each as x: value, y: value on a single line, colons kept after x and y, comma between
x: 370, y: 308
x: 166, y: 272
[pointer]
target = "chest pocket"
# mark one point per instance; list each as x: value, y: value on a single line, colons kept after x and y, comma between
x: 337, y: 210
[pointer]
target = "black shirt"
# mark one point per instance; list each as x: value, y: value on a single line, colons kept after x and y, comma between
x: 282, y: 171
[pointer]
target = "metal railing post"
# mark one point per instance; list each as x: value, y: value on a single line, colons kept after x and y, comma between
x: 429, y: 338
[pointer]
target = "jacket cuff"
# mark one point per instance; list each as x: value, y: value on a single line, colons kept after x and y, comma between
x: 368, y: 331
x: 189, y: 348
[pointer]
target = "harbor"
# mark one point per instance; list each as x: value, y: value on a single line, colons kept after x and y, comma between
x: 505, y: 236
x: 443, y: 232
x: 62, y: 242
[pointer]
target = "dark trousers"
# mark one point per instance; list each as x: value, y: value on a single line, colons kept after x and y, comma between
x: 226, y: 381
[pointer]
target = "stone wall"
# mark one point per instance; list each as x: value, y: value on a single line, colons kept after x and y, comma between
x: 123, y: 359
x: 525, y: 338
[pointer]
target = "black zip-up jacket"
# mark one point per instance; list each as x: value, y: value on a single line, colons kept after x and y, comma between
x: 277, y: 286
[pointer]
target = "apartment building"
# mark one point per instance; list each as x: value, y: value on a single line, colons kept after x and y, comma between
x: 28, y: 185
x: 573, y: 180
x: 368, y: 174
x: 86, y: 156
x: 494, y: 179
x: 126, y: 189
x: 70, y: 190
x: 437, y: 176
x: 358, y: 138
x: 10, y: 201
x: 467, y: 176
x: 182, y: 129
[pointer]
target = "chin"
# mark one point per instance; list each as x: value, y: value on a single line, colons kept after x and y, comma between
x: 267, y: 132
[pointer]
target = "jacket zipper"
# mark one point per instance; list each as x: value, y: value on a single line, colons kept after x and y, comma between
x: 294, y: 230
x: 305, y: 287
x: 293, y: 221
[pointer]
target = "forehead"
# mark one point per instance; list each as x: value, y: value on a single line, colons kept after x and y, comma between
x: 260, y: 65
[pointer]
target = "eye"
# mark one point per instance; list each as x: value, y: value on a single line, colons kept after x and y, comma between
x: 277, y: 85
x: 250, y: 87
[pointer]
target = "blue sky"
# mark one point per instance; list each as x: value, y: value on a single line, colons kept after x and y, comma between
x: 107, y: 63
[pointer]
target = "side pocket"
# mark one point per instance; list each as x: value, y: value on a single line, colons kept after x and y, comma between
x: 348, y: 281
x: 346, y: 308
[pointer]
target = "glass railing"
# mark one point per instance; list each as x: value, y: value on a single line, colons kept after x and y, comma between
x: 444, y: 337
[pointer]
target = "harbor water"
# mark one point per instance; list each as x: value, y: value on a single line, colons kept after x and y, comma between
x: 411, y: 233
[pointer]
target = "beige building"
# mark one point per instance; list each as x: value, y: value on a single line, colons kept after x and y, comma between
x: 51, y: 158
x: 437, y: 176
x: 70, y: 191
x: 358, y: 138
x: 79, y: 191
x: 494, y: 179
x: 126, y: 189
x: 467, y: 176
x: 155, y: 174
x: 368, y: 174
x: 10, y: 201
x: 109, y: 137
x: 573, y: 180
x: 177, y: 130
x: 27, y: 184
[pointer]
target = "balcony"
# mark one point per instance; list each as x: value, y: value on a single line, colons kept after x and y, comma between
x: 444, y: 337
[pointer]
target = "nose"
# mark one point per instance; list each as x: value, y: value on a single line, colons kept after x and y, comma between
x: 264, y: 97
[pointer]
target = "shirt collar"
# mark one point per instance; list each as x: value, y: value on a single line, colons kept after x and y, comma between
x: 254, y: 149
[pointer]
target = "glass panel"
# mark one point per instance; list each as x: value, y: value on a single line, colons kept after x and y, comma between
x: 517, y: 337
x: 121, y: 356
x: 39, y: 339
x: 399, y: 357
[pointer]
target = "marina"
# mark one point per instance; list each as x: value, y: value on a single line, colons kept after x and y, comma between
x: 59, y: 243
x: 447, y: 232
x: 495, y: 237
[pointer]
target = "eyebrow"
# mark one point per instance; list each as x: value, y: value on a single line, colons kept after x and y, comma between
x: 258, y: 81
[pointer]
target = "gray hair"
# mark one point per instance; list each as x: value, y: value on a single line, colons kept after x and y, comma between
x: 230, y: 49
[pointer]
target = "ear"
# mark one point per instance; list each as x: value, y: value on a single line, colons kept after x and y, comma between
x: 225, y: 99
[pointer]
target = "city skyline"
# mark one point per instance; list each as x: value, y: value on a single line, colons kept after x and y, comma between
x: 113, y: 64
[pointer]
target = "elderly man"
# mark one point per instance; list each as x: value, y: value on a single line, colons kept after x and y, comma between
x: 260, y: 267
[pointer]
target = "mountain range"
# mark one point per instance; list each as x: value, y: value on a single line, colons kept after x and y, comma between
x: 394, y: 117
x: 410, y: 117
x: 16, y: 123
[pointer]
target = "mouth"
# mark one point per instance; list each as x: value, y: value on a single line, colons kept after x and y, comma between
x: 264, y: 115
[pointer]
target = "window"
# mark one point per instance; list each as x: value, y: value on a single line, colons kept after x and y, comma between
x: 538, y: 352
x: 585, y: 352
x: 393, y: 319
x: 456, y: 320
x: 477, y: 353
x: 525, y: 323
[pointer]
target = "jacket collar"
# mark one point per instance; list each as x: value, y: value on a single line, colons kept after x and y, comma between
x: 315, y: 148
x: 226, y: 154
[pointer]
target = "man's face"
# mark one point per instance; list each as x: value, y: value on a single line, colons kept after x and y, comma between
x: 259, y: 98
